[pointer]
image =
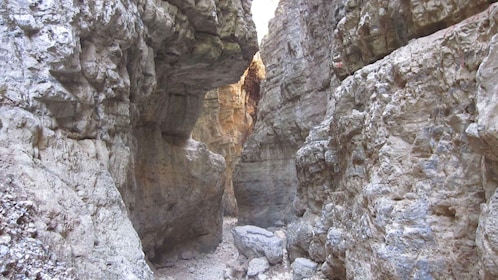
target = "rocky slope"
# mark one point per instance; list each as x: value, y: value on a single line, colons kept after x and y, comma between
x: 227, y: 118
x: 398, y: 181
x: 97, y: 103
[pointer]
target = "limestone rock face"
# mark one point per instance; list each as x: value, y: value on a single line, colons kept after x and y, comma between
x: 76, y: 216
x: 176, y: 202
x: 483, y: 136
x: 399, y: 178
x: 227, y: 120
x: 366, y: 32
x: 293, y: 99
x: 97, y: 103
x: 395, y: 175
x: 253, y: 241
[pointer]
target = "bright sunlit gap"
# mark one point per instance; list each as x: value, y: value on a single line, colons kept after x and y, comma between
x: 262, y: 12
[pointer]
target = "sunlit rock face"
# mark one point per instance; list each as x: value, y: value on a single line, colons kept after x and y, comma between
x: 294, y: 99
x: 98, y: 100
x: 226, y: 121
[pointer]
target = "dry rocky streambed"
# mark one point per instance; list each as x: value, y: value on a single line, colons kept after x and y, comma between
x: 227, y: 263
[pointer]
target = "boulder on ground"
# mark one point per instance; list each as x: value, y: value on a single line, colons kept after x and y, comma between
x: 253, y: 242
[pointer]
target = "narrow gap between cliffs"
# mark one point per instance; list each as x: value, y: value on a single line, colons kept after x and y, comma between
x: 226, y: 122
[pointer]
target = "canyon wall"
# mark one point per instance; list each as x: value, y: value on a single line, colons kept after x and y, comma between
x: 399, y: 178
x: 97, y: 103
x: 293, y: 100
x: 227, y: 118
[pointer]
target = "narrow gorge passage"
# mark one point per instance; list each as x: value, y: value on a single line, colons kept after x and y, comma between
x: 145, y: 139
x: 332, y: 121
x: 196, y: 266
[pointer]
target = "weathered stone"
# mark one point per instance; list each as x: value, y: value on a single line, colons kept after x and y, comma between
x: 227, y: 120
x: 252, y: 241
x: 303, y: 268
x: 258, y: 266
x: 399, y: 178
x: 299, y: 237
x: 391, y: 171
x: 485, y: 139
x: 182, y: 209
x: 293, y: 100
x: 366, y: 33
x: 98, y: 100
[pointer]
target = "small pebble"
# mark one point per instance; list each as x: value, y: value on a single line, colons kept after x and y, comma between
x: 4, y: 239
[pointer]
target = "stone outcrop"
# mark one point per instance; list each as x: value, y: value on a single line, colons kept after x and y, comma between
x: 483, y: 138
x: 97, y: 103
x: 293, y: 99
x: 391, y: 174
x: 227, y: 118
x: 366, y: 32
x: 398, y: 181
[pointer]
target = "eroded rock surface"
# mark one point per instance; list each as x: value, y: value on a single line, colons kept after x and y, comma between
x: 227, y: 119
x: 366, y: 32
x: 253, y: 241
x: 398, y: 181
x: 97, y: 103
x: 391, y: 173
x: 293, y: 100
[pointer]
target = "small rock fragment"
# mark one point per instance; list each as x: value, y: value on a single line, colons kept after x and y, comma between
x: 303, y: 268
x: 258, y: 266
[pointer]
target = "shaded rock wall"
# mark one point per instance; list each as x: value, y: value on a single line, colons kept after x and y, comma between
x: 227, y: 118
x: 398, y: 181
x: 293, y: 100
x: 97, y: 103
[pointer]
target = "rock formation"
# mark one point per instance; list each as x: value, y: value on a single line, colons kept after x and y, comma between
x: 391, y: 173
x: 366, y: 32
x: 293, y: 100
x: 398, y: 180
x: 97, y: 103
x: 227, y: 118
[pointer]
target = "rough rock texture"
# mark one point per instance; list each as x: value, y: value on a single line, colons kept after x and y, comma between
x: 257, y: 266
x: 392, y: 176
x: 227, y: 120
x: 97, y: 103
x: 252, y: 241
x: 368, y: 31
x: 483, y: 136
x: 73, y: 217
x: 399, y: 180
x: 303, y: 268
x: 293, y: 100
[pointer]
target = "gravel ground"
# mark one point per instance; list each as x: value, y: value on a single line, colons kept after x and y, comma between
x: 213, y: 266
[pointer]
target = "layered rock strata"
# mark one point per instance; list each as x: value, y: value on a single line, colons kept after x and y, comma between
x: 226, y: 121
x: 293, y: 99
x: 97, y: 103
